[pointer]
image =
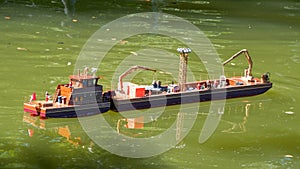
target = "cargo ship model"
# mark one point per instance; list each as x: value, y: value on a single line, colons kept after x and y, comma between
x: 130, y: 96
x: 82, y: 96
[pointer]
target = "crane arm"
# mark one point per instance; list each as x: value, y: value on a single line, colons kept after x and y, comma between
x: 130, y: 70
x: 245, y: 52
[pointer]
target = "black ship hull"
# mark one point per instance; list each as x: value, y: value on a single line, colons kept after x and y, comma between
x: 75, y: 111
x: 189, y: 97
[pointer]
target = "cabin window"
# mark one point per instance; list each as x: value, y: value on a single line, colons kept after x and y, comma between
x: 84, y: 83
x: 89, y: 83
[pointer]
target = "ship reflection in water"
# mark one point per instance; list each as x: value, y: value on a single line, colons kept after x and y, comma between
x: 69, y: 131
x: 232, y: 118
x: 136, y: 127
x: 240, y: 127
x: 148, y: 126
x: 236, y: 115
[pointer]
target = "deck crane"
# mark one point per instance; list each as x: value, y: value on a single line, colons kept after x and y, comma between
x: 248, y: 72
x: 130, y: 70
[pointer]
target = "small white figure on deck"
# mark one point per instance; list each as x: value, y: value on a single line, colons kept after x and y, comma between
x: 47, y: 96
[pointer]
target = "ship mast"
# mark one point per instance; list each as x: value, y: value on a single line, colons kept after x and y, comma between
x: 183, y: 67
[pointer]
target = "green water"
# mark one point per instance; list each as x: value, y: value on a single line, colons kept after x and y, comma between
x: 39, y: 47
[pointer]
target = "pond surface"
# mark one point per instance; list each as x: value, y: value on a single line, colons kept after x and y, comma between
x: 39, y: 46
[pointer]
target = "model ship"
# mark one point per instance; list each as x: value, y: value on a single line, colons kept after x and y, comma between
x: 131, y: 96
x: 82, y: 96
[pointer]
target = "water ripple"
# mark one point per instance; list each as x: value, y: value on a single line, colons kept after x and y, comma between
x: 295, y: 58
